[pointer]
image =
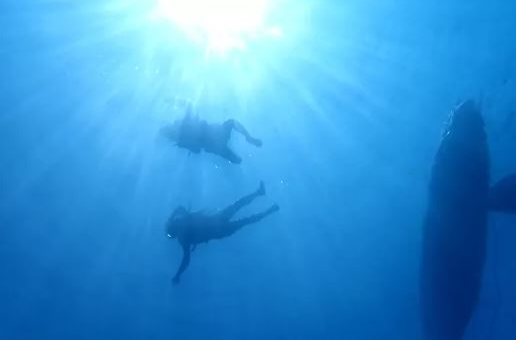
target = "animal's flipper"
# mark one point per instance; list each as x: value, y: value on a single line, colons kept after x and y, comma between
x: 502, y: 196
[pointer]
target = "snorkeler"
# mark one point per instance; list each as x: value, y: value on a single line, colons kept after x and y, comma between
x: 195, y: 134
x: 193, y: 228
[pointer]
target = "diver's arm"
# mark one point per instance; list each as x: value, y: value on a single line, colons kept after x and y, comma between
x: 184, y: 263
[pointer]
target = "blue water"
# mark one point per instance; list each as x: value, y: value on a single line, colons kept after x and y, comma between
x: 350, y: 104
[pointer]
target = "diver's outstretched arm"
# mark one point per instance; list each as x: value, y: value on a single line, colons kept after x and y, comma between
x: 184, y: 264
x: 238, y: 127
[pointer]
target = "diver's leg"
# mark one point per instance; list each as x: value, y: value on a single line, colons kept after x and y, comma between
x: 238, y: 127
x: 228, y: 212
x: 231, y: 227
x: 228, y: 154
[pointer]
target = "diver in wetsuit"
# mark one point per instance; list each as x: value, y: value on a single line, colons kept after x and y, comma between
x: 195, y: 134
x: 193, y: 228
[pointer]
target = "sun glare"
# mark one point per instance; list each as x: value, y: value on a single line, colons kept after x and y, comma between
x: 219, y: 25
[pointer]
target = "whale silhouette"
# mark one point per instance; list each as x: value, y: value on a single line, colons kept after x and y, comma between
x: 455, y: 226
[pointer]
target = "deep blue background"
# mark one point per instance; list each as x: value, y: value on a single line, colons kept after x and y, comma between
x: 350, y: 106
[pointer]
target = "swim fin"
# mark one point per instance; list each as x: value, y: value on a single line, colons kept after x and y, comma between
x: 502, y: 196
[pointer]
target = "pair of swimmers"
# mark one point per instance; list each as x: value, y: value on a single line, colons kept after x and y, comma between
x: 193, y: 228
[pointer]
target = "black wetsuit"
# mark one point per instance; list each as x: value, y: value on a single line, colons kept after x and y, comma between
x: 196, y: 228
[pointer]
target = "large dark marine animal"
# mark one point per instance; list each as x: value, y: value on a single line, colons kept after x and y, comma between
x: 455, y: 226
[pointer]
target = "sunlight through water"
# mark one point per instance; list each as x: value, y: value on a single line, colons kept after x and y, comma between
x: 219, y: 26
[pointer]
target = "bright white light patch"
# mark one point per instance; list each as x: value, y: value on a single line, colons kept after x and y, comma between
x: 220, y: 25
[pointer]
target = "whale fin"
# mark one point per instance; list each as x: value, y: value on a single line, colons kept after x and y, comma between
x: 502, y: 196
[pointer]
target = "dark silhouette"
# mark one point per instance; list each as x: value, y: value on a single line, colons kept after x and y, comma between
x: 191, y: 229
x: 455, y: 226
x: 195, y: 134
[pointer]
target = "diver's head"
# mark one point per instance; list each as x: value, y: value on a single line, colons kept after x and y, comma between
x: 174, y: 222
x: 171, y: 229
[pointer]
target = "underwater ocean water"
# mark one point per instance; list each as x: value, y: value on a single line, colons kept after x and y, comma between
x: 349, y: 99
